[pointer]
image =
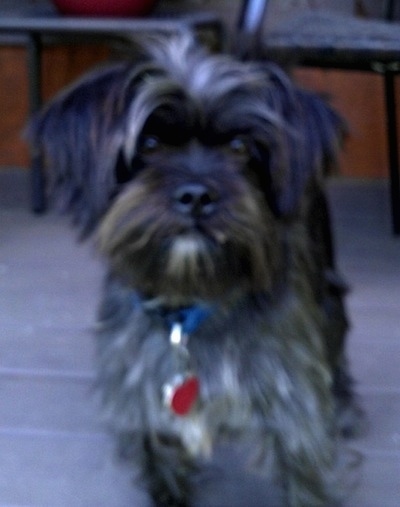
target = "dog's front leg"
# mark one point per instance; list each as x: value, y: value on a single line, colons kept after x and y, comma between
x: 308, y: 456
x: 167, y: 469
x: 162, y: 468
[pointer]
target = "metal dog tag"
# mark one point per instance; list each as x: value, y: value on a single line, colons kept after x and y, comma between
x: 181, y: 393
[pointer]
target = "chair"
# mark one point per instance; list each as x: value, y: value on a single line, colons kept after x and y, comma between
x: 317, y: 38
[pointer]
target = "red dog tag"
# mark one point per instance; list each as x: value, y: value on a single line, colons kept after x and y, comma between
x: 181, y: 394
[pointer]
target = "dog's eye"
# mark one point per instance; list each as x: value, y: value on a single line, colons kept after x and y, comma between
x: 149, y: 144
x: 238, y: 146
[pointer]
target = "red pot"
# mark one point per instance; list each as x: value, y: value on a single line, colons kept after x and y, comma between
x: 105, y: 7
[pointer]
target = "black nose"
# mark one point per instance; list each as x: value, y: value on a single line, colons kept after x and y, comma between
x: 195, y: 199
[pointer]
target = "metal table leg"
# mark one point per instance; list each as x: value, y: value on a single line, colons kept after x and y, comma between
x: 393, y: 150
x: 35, y: 100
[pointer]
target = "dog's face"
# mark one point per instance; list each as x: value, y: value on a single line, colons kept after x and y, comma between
x: 191, y: 163
x: 192, y: 218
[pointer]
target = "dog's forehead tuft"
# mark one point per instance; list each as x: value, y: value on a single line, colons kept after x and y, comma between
x: 203, y: 74
x: 182, y: 78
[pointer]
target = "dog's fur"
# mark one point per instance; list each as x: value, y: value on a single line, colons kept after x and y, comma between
x: 204, y: 179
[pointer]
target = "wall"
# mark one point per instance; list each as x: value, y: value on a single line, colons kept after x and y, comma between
x: 359, y: 98
x: 13, y: 106
x: 61, y: 65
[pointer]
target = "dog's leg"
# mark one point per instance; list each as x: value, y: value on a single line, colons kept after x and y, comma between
x: 306, y: 449
x: 330, y: 293
x: 167, y: 470
x: 164, y: 467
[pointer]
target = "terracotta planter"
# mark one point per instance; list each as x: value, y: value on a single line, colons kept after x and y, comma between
x: 105, y: 7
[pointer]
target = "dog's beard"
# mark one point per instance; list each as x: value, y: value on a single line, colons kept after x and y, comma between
x: 162, y: 253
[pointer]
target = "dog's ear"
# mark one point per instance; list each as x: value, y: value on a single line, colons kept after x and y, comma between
x: 310, y: 136
x: 80, y: 136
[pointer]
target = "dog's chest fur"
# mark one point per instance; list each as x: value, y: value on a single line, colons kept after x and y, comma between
x: 236, y: 353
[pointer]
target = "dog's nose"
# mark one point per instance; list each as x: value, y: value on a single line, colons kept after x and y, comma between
x: 195, y: 199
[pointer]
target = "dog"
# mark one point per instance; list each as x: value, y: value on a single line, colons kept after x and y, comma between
x: 222, y: 319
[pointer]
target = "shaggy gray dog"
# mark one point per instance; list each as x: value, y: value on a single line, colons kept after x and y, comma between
x: 222, y: 318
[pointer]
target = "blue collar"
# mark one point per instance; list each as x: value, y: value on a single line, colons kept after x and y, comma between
x: 189, y: 317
